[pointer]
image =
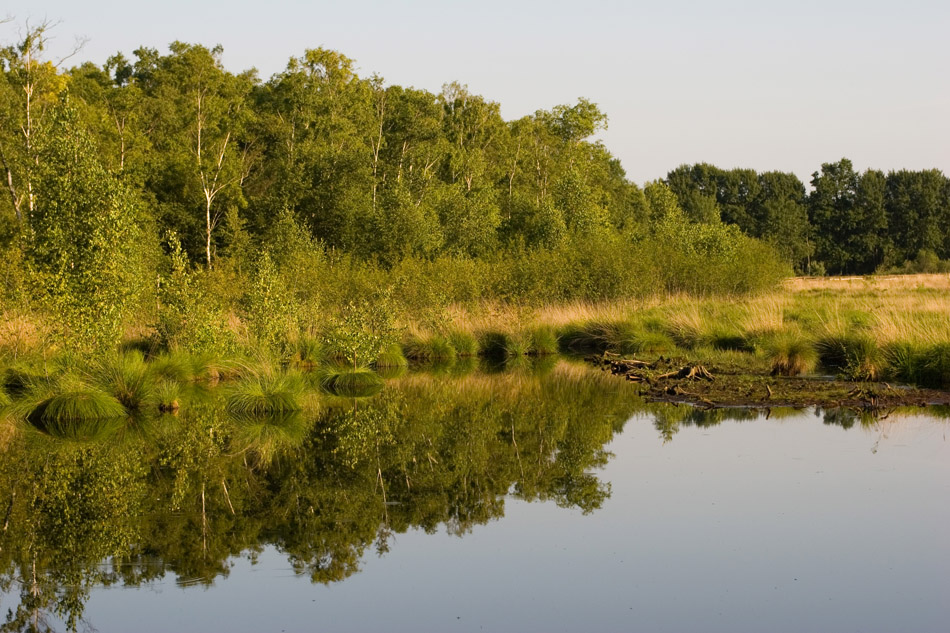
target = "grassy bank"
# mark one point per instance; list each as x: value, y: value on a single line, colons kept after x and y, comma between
x: 858, y: 329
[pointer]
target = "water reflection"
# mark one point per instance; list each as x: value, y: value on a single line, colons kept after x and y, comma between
x: 186, y: 494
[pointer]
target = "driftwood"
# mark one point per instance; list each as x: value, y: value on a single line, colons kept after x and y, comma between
x: 689, y: 372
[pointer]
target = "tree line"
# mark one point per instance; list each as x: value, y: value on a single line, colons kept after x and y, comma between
x: 849, y: 223
x: 164, y: 191
x: 381, y: 171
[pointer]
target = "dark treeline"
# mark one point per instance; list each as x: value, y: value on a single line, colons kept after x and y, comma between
x: 850, y: 223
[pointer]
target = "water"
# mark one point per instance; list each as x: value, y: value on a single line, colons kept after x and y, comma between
x: 552, y: 503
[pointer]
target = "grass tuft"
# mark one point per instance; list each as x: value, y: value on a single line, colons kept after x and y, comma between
x: 789, y: 353
x: 265, y: 392
x: 76, y: 406
x: 434, y: 348
x: 543, y: 341
x: 856, y: 356
x: 391, y: 357
x: 353, y: 383
x: 127, y: 377
x: 465, y: 344
x: 935, y: 366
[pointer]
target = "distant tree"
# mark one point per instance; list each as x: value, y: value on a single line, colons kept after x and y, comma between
x: 782, y: 219
x: 831, y: 208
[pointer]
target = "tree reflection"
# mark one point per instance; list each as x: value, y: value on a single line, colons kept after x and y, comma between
x: 186, y: 495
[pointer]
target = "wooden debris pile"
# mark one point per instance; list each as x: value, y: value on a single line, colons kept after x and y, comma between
x: 660, y: 384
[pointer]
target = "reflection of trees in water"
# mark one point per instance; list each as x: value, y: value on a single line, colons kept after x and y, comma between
x: 185, y: 495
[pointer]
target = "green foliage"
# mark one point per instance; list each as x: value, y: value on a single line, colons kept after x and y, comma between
x: 269, y: 308
x: 190, y: 317
x: 87, y: 242
x: 361, y: 331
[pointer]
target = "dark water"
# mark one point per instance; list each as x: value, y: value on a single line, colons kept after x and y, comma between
x: 551, y: 501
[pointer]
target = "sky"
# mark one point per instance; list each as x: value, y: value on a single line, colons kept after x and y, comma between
x: 759, y: 84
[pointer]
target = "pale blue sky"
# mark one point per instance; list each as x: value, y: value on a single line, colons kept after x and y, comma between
x: 767, y: 85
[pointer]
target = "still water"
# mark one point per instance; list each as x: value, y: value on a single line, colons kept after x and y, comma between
x: 547, y: 500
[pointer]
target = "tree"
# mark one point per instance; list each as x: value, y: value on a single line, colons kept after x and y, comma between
x: 831, y: 209
x: 88, y: 242
x: 782, y: 219
x: 29, y: 86
x: 199, y: 124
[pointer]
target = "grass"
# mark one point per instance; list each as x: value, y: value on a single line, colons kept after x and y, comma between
x: 465, y: 343
x: 87, y: 404
x: 351, y: 382
x: 264, y: 392
x: 855, y: 356
x: 789, y: 354
x: 544, y: 340
x: 390, y: 357
x: 168, y: 396
x: 429, y: 349
x: 127, y: 378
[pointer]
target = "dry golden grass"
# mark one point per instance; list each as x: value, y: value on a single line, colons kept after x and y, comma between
x: 23, y: 335
x: 870, y: 282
